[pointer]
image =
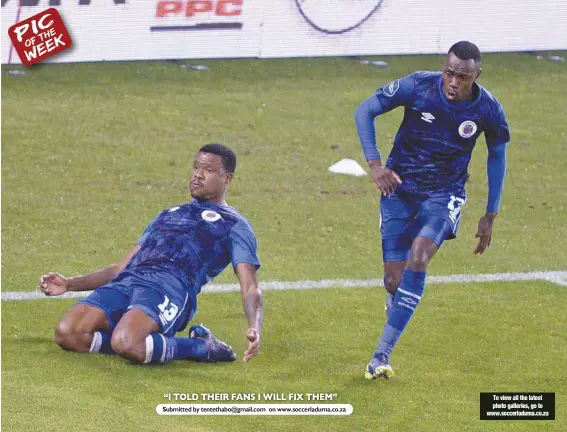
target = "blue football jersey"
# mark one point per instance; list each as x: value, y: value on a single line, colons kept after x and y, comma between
x: 434, y: 143
x: 196, y: 241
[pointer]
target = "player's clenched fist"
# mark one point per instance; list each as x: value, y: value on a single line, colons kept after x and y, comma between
x: 53, y: 284
x: 386, y: 179
x: 253, y: 344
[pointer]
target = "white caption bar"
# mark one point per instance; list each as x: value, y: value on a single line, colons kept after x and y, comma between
x: 254, y: 409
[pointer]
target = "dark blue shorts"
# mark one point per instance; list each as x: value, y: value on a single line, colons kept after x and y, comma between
x: 403, y: 217
x: 158, y: 294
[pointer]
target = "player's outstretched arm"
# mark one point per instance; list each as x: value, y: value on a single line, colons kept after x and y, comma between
x: 253, y: 304
x: 54, y: 284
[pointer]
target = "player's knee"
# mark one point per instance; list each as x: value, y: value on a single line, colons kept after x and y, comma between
x: 418, y: 261
x: 66, y: 336
x: 422, y: 251
x: 125, y: 345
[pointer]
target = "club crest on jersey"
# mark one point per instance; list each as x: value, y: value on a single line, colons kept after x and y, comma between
x: 391, y: 88
x: 467, y: 129
x: 210, y: 216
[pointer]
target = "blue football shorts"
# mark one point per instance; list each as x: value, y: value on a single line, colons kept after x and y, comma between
x: 158, y: 294
x: 404, y: 217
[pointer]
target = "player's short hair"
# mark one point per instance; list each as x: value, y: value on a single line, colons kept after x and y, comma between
x: 227, y: 155
x: 466, y: 50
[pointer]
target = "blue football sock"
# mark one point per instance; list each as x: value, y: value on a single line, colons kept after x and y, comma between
x: 406, y: 300
x: 162, y: 349
x: 389, y: 301
x: 101, y: 343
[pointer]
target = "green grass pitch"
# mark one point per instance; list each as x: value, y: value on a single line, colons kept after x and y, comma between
x: 92, y: 152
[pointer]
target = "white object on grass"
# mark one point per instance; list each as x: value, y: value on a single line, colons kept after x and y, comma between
x: 347, y: 166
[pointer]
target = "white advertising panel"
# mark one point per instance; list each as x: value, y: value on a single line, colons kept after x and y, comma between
x: 110, y: 30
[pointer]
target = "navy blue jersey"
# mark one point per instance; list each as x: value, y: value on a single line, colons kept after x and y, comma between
x: 195, y: 242
x: 434, y: 143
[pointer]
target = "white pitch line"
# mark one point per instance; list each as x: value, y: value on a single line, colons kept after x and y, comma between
x: 556, y: 277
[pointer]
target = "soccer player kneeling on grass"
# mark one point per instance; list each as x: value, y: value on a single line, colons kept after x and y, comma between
x: 139, y: 304
x: 423, y: 181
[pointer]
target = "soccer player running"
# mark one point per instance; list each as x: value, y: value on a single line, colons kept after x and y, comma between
x: 423, y: 181
x: 139, y: 304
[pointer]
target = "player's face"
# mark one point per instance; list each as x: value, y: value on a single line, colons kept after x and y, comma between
x: 459, y: 77
x: 208, y: 178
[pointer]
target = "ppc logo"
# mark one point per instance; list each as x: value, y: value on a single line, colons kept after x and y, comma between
x: 40, y: 36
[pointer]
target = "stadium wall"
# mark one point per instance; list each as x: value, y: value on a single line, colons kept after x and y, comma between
x: 111, y: 30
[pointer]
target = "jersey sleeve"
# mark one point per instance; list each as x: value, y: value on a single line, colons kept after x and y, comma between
x: 398, y: 93
x: 497, y: 131
x: 243, y: 246
x: 146, y: 232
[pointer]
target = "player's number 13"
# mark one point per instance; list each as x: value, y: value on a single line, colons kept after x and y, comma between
x: 168, y: 313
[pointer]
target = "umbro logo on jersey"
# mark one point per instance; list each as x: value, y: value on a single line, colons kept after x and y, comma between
x: 428, y: 117
x: 210, y: 216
